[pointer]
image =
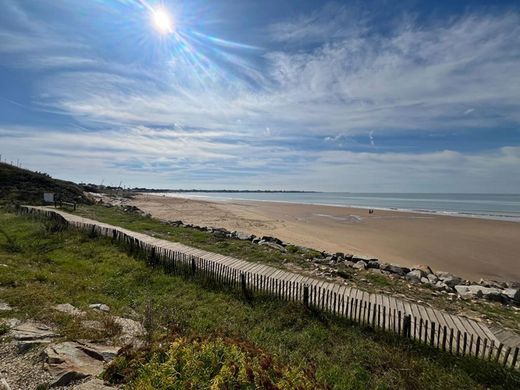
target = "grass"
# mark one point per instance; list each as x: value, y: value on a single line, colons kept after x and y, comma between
x: 70, y: 267
x: 505, y: 315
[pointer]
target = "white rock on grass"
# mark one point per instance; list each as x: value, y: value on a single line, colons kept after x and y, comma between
x: 4, y: 306
x: 100, y: 307
x: 67, y: 308
x: 414, y: 276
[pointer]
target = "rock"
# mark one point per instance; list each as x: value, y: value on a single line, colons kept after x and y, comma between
x: 425, y: 281
x: 31, y: 334
x: 244, y: 236
x: 339, y: 255
x: 360, y: 265
x: 100, y: 307
x: 449, y: 279
x: 492, y: 283
x: 432, y: 278
x: 349, y: 263
x: 92, y: 384
x: 513, y: 284
x: 4, y: 265
x: 4, y: 306
x: 440, y: 285
x: 513, y: 294
x: 425, y: 270
x: 272, y: 239
x: 70, y: 361
x: 373, y: 264
x: 255, y: 240
x: 477, y: 291
x: 4, y: 385
x: 130, y: 329
x: 67, y: 308
x: 394, y: 269
x: 273, y: 245
x: 414, y: 276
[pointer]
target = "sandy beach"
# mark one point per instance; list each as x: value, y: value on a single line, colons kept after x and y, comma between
x: 469, y: 247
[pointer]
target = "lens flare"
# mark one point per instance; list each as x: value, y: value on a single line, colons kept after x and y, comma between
x: 162, y: 20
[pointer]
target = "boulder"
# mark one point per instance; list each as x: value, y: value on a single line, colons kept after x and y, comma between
x: 100, y: 307
x: 425, y: 281
x: 70, y: 361
x: 31, y: 334
x: 425, y: 270
x: 273, y: 245
x: 349, y: 263
x: 67, y: 308
x: 360, y: 265
x: 432, y: 278
x: 394, y: 269
x: 244, y: 236
x: 441, y: 286
x: 131, y: 330
x: 449, y: 279
x: 373, y: 264
x: 272, y: 239
x: 414, y: 276
x: 477, y: 291
x: 492, y: 283
x: 513, y: 294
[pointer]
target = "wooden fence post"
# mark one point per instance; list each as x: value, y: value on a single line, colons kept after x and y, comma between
x: 306, y: 296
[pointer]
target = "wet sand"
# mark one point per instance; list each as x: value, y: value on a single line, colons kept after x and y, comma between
x: 470, y: 247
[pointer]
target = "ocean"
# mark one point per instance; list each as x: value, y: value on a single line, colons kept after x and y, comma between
x: 490, y: 206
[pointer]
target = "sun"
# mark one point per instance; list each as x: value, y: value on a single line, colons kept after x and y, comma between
x: 162, y: 20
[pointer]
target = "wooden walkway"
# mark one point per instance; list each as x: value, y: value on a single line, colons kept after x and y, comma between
x: 452, y: 333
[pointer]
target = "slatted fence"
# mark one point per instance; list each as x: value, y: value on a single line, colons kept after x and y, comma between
x: 454, y: 334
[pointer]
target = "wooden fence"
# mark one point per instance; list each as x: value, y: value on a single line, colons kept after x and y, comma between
x: 454, y: 334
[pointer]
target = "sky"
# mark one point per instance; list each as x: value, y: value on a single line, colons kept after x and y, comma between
x: 360, y: 96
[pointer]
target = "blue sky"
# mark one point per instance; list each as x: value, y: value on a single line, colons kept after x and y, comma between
x: 382, y: 96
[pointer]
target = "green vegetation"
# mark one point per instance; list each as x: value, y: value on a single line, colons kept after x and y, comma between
x: 24, y: 186
x: 190, y: 323
x: 295, y: 256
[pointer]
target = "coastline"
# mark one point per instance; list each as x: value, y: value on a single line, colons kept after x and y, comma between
x: 465, y: 214
x: 471, y: 247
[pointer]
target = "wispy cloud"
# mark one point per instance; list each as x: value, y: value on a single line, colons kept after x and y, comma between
x: 237, y: 113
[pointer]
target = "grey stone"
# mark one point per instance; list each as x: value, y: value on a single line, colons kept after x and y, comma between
x: 30, y: 331
x: 244, y: 236
x: 373, y: 264
x: 70, y: 361
x: 476, y: 291
x: 349, y: 263
x: 425, y: 270
x: 272, y: 239
x: 414, y: 276
x: 67, y: 308
x: 360, y: 265
x: 513, y: 294
x: 131, y: 330
x: 440, y: 285
x: 449, y: 279
x: 425, y: 281
x: 4, y: 306
x: 432, y: 278
x: 394, y: 269
x: 273, y: 245
x: 100, y: 307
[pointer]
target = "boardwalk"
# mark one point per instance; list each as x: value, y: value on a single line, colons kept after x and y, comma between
x: 452, y: 333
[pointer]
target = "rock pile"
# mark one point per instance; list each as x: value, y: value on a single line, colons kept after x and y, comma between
x: 507, y: 293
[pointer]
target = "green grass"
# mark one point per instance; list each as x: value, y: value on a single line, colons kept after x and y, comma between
x: 63, y: 267
x: 504, y: 315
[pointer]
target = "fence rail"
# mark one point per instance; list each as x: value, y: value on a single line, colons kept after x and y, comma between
x: 454, y: 334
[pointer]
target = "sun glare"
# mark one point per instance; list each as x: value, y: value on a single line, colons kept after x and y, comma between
x: 162, y: 21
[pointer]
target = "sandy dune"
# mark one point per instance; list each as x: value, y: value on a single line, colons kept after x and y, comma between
x: 469, y: 247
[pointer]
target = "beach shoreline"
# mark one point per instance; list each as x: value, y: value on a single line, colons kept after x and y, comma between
x: 470, y: 247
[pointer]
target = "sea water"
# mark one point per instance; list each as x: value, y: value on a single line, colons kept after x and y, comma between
x: 491, y: 206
